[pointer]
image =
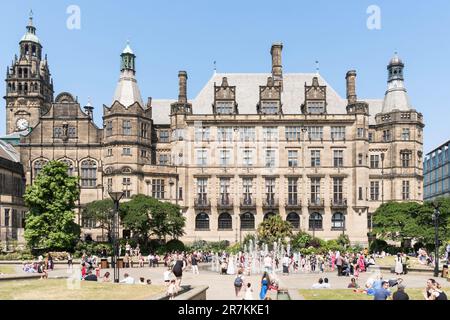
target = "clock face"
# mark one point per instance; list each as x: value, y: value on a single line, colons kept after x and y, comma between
x: 22, y: 124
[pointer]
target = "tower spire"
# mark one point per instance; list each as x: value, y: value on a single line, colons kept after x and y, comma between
x: 396, y: 97
x: 31, y: 28
x: 127, y: 91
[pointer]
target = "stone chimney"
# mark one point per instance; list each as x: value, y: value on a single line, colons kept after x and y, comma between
x: 351, y: 86
x: 182, y: 82
x: 277, y: 68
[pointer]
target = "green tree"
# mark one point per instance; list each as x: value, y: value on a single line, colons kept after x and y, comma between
x: 425, y: 224
x: 101, y: 211
x: 343, y: 240
x: 411, y: 220
x: 396, y: 220
x: 273, y: 229
x: 147, y: 216
x: 51, y: 199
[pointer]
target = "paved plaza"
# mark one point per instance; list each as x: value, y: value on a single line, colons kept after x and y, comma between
x: 221, y: 286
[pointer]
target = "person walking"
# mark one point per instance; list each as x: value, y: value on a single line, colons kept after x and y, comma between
x: 398, y: 264
x: 339, y: 263
x: 180, y: 265
x: 285, y: 263
x: 238, y: 283
x: 69, y: 261
x: 264, y: 286
x: 194, y: 263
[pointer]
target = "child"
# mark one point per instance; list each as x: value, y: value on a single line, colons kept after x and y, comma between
x: 248, y: 292
x: 356, y: 272
x: 97, y: 271
x: 171, y: 289
x: 167, y: 276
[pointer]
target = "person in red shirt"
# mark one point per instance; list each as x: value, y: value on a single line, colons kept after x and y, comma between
x: 83, y: 270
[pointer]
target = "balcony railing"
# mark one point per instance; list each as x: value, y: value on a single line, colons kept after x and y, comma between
x: 201, y: 203
x: 248, y: 202
x: 338, y: 203
x: 316, y: 203
x: 224, y: 202
x: 270, y: 203
x: 293, y: 203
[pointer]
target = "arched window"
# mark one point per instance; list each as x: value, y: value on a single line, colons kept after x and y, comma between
x: 294, y: 219
x: 38, y: 165
x: 69, y: 165
x: 315, y: 221
x: 268, y: 215
x: 225, y: 221
x: 337, y: 221
x: 202, y: 221
x: 247, y: 221
x: 88, y: 173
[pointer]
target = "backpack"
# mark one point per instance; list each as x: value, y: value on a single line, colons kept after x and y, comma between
x: 238, y: 281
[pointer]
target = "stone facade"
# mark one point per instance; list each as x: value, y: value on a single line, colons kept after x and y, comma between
x: 12, y: 207
x: 248, y: 146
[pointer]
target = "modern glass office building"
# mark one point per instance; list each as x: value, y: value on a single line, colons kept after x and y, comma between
x: 436, y: 168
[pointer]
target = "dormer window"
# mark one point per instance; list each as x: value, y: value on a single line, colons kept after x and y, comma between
x: 316, y: 107
x: 224, y: 98
x: 269, y: 107
x: 269, y: 98
x: 315, y: 98
x: 224, y: 107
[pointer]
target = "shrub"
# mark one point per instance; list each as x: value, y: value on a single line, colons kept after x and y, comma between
x: 316, y: 243
x: 300, y: 240
x: 199, y: 245
x: 378, y: 245
x: 235, y: 248
x: 343, y: 240
x: 174, y: 245
x: 94, y: 248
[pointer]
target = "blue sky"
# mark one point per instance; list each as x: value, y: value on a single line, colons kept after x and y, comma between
x: 168, y: 36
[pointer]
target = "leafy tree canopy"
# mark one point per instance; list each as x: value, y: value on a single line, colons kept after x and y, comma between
x: 51, y: 200
x: 273, y: 229
x: 410, y: 220
x: 147, y: 216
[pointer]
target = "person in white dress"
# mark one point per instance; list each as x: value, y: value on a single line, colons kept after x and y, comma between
x: 249, y: 292
x: 230, y: 269
x: 398, y: 264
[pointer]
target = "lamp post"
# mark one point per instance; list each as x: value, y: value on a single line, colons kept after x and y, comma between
x: 115, y: 196
x: 435, y: 218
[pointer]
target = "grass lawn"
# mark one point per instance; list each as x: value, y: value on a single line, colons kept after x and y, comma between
x: 7, y: 270
x: 66, y: 289
x: 390, y: 262
x: 348, y: 294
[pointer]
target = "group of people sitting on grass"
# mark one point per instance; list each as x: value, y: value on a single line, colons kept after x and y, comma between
x: 381, y: 289
x: 41, y: 266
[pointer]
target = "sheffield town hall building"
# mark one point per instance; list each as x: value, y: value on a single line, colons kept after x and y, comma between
x: 248, y: 146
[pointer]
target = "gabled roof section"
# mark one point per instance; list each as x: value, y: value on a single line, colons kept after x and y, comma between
x: 247, y: 92
x: 8, y: 152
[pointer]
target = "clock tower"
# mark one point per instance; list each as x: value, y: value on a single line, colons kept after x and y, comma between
x: 29, y: 87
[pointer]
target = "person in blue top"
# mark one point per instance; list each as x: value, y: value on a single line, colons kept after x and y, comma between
x: 382, y: 293
x: 264, y: 286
